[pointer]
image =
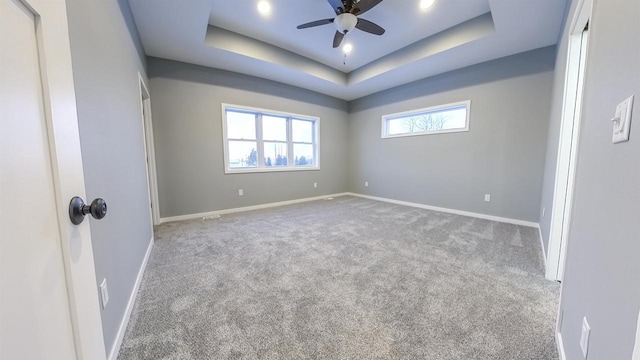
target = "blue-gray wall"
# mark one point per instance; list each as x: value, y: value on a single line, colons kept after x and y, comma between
x: 187, y: 123
x: 107, y: 56
x: 502, y: 154
x: 602, y: 274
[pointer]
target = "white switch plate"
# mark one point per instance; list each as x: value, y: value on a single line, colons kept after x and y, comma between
x: 636, y: 349
x: 240, y: 192
x: 104, y: 293
x: 487, y: 197
x: 622, y: 121
x: 584, y: 338
x: 315, y: 184
x: 366, y: 184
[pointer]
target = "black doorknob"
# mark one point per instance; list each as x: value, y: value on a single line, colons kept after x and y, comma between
x: 78, y: 209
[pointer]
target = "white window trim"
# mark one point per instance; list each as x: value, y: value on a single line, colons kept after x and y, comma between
x: 383, y: 129
x: 259, y: 141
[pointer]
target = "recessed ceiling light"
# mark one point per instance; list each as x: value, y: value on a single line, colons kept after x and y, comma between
x: 347, y: 48
x: 425, y: 4
x: 264, y: 7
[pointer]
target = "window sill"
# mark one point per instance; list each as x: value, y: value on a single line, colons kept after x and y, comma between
x: 264, y: 170
x: 451, y: 131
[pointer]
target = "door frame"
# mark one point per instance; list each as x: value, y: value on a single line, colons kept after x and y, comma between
x: 61, y: 120
x: 569, y: 141
x: 149, y: 150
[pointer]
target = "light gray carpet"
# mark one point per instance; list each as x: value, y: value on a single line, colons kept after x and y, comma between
x: 347, y: 278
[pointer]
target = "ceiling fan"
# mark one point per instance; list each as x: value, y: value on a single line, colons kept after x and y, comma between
x: 347, y: 19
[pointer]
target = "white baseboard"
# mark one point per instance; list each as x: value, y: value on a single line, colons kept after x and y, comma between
x: 115, y: 349
x: 246, y: 208
x: 450, y: 211
x: 296, y: 201
x: 560, y: 347
x: 544, y: 251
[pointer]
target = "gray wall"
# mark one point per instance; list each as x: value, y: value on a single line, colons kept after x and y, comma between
x: 106, y: 61
x: 602, y: 276
x: 187, y: 124
x: 555, y: 117
x: 502, y: 154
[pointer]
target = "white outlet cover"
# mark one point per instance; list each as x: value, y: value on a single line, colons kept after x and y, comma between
x: 366, y: 184
x: 622, y: 121
x: 240, y: 192
x: 584, y: 337
x: 104, y: 292
x: 487, y: 197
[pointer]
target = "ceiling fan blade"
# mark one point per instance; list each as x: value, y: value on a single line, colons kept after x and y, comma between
x: 364, y: 6
x: 368, y: 26
x: 337, y: 40
x: 315, y: 23
x: 336, y: 5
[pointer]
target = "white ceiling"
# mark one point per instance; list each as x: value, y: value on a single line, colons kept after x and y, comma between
x: 232, y: 35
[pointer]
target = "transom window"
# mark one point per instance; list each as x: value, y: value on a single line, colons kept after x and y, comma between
x: 264, y: 140
x: 433, y: 120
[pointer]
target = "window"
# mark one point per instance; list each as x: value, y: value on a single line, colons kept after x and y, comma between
x: 434, y: 120
x: 264, y: 140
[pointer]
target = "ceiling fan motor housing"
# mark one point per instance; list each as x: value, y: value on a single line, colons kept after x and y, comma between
x: 345, y: 22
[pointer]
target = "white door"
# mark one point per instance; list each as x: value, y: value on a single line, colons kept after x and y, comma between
x: 48, y: 298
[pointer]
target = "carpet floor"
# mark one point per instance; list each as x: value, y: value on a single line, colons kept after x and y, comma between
x: 347, y: 278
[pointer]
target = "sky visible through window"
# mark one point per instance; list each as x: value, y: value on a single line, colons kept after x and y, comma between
x: 302, y: 131
x: 274, y: 128
x: 241, y: 126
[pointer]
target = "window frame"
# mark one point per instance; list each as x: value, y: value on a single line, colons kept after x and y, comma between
x: 260, y: 141
x: 432, y: 109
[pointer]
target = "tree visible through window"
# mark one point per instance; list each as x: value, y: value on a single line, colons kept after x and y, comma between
x: 441, y: 119
x: 259, y: 140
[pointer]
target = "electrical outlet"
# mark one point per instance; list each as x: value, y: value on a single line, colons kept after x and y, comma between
x: 487, y: 197
x: 104, y: 293
x: 240, y: 192
x: 584, y: 338
x: 315, y: 184
x: 366, y: 184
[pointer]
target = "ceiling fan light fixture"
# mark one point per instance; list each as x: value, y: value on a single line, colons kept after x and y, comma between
x: 345, y: 22
x: 347, y: 48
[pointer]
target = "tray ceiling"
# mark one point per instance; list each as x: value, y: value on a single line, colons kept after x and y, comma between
x: 234, y: 36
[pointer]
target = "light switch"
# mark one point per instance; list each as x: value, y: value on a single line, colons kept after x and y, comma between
x: 622, y: 121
